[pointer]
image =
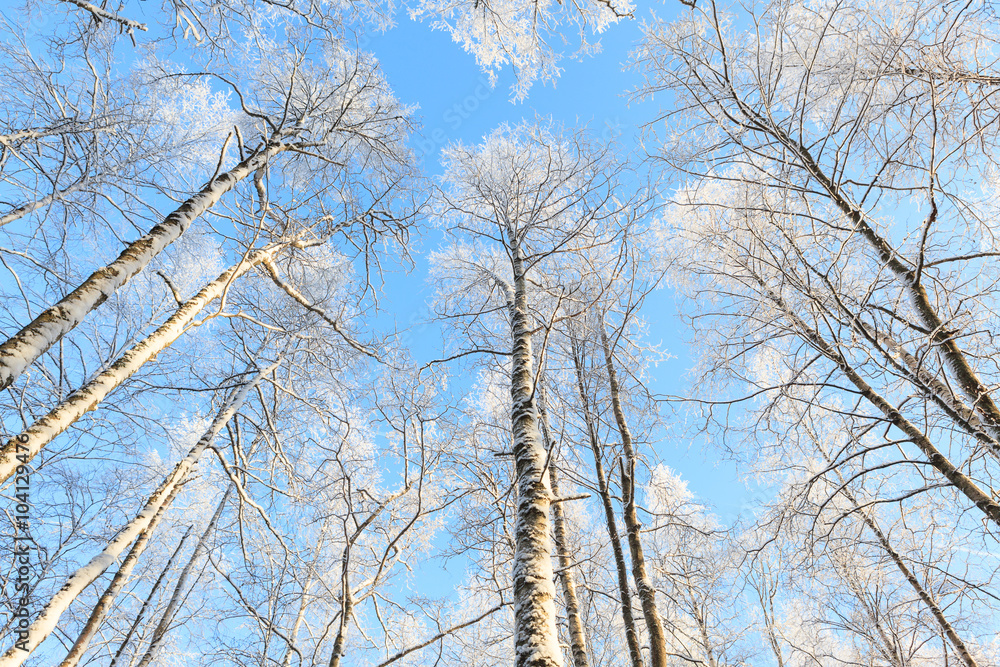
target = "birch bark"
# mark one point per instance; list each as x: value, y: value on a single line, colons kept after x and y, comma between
x: 643, y: 584
x: 100, y: 610
x: 25, y: 209
x: 34, y: 438
x: 149, y: 598
x: 536, y: 642
x: 574, y: 622
x: 910, y: 278
x: 175, y: 599
x: 22, y: 349
x: 624, y: 593
x: 86, y: 575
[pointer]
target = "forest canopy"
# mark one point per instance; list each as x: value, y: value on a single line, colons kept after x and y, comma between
x: 291, y: 375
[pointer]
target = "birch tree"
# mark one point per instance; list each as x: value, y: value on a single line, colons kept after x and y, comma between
x: 520, y: 200
x: 328, y: 117
x: 818, y: 129
x: 22, y: 448
x: 579, y: 361
x: 160, y: 500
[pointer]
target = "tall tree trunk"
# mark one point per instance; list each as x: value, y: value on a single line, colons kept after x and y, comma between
x: 346, y: 611
x: 574, y: 622
x: 86, y: 575
x: 986, y: 503
x: 536, y: 639
x: 22, y: 349
x: 925, y: 596
x: 149, y: 598
x: 643, y: 584
x: 631, y: 636
x: 175, y: 600
x: 32, y: 439
x: 100, y: 610
x: 304, y: 600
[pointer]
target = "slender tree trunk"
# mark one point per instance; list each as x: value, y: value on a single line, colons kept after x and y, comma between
x: 346, y: 611
x: 766, y: 589
x: 31, y: 441
x: 175, y: 600
x: 770, y: 623
x: 705, y: 640
x: 22, y: 349
x: 86, y: 575
x: 643, y: 584
x: 303, y: 601
x: 145, y: 603
x: 925, y: 596
x: 908, y: 275
x: 631, y: 636
x: 574, y: 622
x: 100, y: 610
x: 536, y: 639
x: 939, y: 461
x: 68, y: 127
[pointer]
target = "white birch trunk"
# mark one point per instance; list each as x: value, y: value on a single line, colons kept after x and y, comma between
x: 100, y: 610
x: 21, y: 211
x: 30, y: 442
x: 574, y: 621
x: 643, y: 584
x: 346, y: 612
x: 86, y: 575
x: 22, y: 349
x: 175, y: 599
x: 536, y: 642
x: 149, y: 598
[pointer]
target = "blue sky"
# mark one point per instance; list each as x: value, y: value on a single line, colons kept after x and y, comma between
x: 456, y: 101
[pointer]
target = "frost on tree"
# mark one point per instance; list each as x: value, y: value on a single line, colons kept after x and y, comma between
x: 24, y: 447
x: 835, y: 240
x: 522, y: 206
x: 501, y: 32
x: 161, y: 499
x: 334, y: 120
